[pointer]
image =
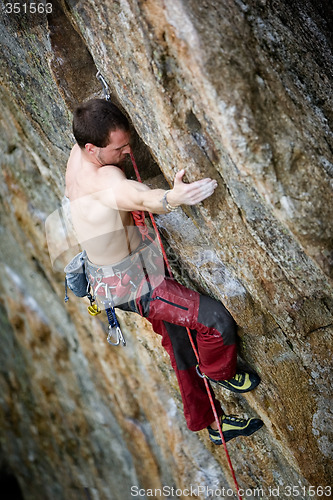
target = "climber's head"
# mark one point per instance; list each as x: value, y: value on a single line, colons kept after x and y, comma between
x: 102, y: 130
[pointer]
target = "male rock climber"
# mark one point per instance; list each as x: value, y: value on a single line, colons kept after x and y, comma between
x: 103, y: 200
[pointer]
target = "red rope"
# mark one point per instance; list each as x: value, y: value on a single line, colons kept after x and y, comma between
x: 189, y: 334
x: 136, y: 170
x: 139, y: 220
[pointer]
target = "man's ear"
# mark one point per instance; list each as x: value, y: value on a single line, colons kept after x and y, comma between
x: 90, y: 148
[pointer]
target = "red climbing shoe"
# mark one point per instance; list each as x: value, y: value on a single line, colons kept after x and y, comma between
x: 233, y: 426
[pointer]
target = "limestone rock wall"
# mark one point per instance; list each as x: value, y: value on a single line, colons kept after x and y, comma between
x: 239, y: 91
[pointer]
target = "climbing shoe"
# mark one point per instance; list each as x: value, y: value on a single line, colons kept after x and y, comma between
x: 233, y: 426
x: 241, y: 382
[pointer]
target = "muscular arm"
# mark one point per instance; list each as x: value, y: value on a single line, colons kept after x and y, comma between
x: 131, y: 195
x: 137, y: 196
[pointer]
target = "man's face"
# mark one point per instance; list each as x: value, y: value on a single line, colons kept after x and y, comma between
x: 116, y: 151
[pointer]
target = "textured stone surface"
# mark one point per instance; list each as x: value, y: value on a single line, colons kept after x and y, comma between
x: 239, y: 91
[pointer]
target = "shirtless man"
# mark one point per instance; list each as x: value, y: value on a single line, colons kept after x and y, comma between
x: 105, y: 195
x: 102, y: 199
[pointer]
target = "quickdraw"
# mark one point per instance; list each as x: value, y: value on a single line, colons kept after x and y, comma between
x: 114, y: 330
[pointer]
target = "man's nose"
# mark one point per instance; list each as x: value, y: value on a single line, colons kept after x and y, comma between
x: 127, y: 150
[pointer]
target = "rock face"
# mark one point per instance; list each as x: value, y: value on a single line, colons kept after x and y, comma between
x: 236, y: 90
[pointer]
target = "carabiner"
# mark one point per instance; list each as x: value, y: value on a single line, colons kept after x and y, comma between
x: 201, y: 375
x: 118, y: 335
x: 106, y: 90
x: 93, y: 309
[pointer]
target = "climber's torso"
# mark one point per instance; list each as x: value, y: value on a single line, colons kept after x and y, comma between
x: 107, y: 234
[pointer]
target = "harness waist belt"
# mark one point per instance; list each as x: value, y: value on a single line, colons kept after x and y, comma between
x: 122, y: 266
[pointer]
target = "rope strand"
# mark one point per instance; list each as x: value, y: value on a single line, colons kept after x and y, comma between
x: 189, y: 335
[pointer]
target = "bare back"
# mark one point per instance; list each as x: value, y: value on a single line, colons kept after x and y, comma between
x: 107, y: 234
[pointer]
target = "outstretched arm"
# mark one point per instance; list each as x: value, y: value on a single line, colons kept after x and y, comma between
x: 131, y: 195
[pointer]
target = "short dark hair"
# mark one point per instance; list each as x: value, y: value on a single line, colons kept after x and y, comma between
x: 94, y: 120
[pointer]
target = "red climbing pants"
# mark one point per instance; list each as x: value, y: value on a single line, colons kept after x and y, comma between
x: 170, y: 307
x: 174, y: 307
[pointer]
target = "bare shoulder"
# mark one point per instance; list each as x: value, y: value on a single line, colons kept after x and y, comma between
x: 113, y: 177
x: 109, y: 180
x: 110, y: 176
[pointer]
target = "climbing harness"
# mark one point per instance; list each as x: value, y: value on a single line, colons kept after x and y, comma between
x: 78, y: 282
x: 125, y: 281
